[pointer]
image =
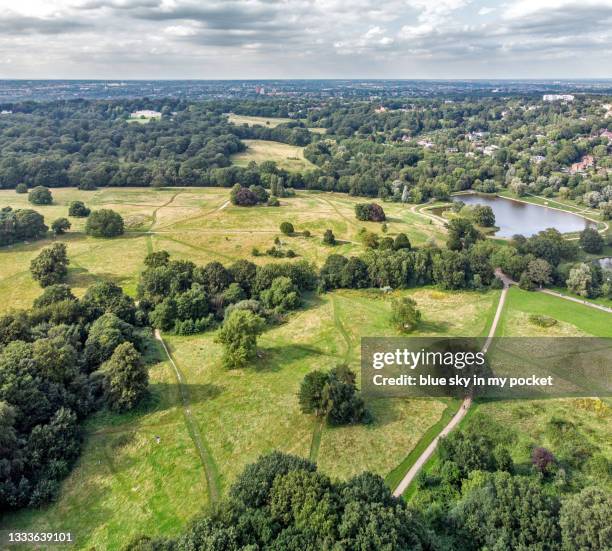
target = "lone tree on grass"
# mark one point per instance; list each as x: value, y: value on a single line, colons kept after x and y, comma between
x: 591, y: 241
x: 329, y: 238
x: 333, y: 394
x: 40, y: 195
x: 372, y: 212
x: 51, y: 265
x: 60, y: 226
x: 126, y: 378
x: 104, y: 223
x: 401, y: 241
x: 287, y: 228
x: 78, y: 209
x: 21, y: 188
x: 238, y: 335
x: 405, y: 315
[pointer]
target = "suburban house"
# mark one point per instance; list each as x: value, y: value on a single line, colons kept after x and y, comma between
x: 586, y: 162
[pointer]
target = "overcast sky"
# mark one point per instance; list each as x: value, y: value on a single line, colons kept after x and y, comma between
x: 257, y: 39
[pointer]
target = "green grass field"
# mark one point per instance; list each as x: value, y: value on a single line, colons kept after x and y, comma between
x: 261, y: 121
x: 288, y: 157
x: 126, y: 482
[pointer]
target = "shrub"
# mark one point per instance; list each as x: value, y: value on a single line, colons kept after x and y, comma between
x: 329, y: 238
x: 405, y: 314
x: 21, y: 188
x: 60, y: 226
x: 542, y: 320
x: 104, y: 223
x: 591, y: 241
x: 40, y: 195
x: 273, y: 202
x: 287, y: 228
x: 372, y: 212
x: 78, y: 209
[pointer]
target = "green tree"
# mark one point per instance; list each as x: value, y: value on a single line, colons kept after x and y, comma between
x: 281, y: 296
x: 60, y: 226
x: 404, y: 314
x: 329, y: 238
x: 40, y: 195
x: 538, y: 272
x: 287, y: 228
x: 586, y: 520
x: 312, y: 393
x: 401, y: 241
x: 126, y: 378
x: 483, y: 216
x: 104, y: 223
x: 580, y: 280
x: 51, y: 265
x: 78, y: 209
x: 239, y: 338
x: 21, y: 188
x: 591, y: 241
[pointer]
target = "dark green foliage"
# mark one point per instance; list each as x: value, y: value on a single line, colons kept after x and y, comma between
x: 106, y: 334
x: 104, y: 223
x: 238, y: 335
x: 591, y: 241
x: 508, y: 512
x: 52, y: 294
x: 107, y: 297
x: 287, y: 228
x: 242, y: 196
x: 21, y: 188
x: 214, y: 277
x: 125, y: 378
x: 283, y: 295
x: 157, y: 259
x: 282, y: 503
x: 586, y: 520
x: 334, y: 395
x: 372, y: 212
x: 329, y: 238
x: 243, y: 272
x: 51, y: 265
x: 60, y: 226
x: 78, y: 209
x: 461, y: 234
x: 401, y: 241
x: 405, y: 315
x: 483, y: 216
x: 192, y: 304
x: 40, y: 195
x: 164, y: 314
x: 20, y: 225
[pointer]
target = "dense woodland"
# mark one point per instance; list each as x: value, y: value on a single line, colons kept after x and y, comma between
x: 404, y: 151
x: 67, y: 357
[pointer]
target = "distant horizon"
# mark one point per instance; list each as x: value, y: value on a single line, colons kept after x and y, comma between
x: 314, y: 79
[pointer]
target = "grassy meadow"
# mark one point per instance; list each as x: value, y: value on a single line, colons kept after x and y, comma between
x: 126, y: 482
x: 288, y: 157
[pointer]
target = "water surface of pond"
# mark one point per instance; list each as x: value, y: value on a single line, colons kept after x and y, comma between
x: 514, y: 217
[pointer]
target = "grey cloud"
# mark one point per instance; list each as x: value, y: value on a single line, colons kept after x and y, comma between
x: 13, y: 24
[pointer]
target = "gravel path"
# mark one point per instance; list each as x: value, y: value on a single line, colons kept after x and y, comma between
x: 465, y: 406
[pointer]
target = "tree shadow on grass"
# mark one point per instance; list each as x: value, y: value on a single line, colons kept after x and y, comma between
x: 161, y: 398
x: 81, y: 277
x: 274, y: 357
x: 428, y: 326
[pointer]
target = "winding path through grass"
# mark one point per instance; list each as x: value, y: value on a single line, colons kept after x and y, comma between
x: 465, y: 406
x: 210, y: 469
x: 320, y: 422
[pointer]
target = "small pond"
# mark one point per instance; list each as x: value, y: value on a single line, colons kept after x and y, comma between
x: 514, y: 217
